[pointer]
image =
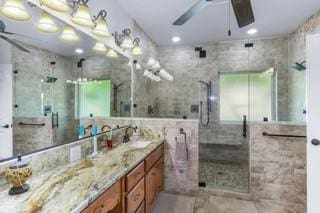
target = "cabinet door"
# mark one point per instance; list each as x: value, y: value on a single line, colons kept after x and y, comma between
x: 135, y: 197
x: 160, y: 174
x: 108, y: 202
x: 151, y: 188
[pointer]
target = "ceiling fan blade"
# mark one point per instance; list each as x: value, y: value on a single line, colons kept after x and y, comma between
x: 243, y: 11
x: 192, y: 11
x: 15, y: 44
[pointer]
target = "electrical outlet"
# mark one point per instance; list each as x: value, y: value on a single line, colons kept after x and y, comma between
x: 75, y: 154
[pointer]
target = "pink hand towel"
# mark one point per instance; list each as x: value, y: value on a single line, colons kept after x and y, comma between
x: 181, y: 155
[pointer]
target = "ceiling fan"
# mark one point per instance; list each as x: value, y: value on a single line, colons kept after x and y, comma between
x: 3, y: 31
x: 242, y: 9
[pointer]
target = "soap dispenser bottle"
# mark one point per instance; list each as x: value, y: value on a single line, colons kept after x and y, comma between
x: 109, y: 140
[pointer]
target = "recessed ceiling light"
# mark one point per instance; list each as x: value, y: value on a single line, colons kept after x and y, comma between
x: 175, y: 39
x: 78, y: 51
x: 252, y: 31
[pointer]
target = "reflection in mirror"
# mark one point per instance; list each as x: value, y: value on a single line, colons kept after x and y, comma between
x: 55, y: 86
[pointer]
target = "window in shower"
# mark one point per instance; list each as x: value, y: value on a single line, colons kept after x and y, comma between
x: 94, y: 99
x: 245, y: 93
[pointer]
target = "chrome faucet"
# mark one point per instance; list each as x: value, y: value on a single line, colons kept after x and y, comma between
x: 105, y: 126
x: 126, y: 137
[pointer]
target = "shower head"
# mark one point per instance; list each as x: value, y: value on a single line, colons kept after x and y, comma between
x: 204, y: 83
x: 299, y: 66
x: 51, y: 79
x: 117, y: 86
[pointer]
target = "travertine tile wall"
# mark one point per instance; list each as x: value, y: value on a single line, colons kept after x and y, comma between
x: 278, y: 167
x: 117, y: 70
x: 297, y: 80
x: 30, y: 138
x: 144, y: 93
x: 30, y: 84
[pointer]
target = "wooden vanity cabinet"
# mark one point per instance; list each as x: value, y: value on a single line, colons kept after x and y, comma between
x: 154, y: 178
x: 137, y: 191
x: 108, y: 202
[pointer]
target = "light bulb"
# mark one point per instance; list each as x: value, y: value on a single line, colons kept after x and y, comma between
x: 100, y: 47
x: 69, y: 34
x: 101, y: 28
x: 138, y: 66
x: 15, y: 9
x: 46, y: 24
x: 151, y: 62
x: 156, y: 65
x: 57, y: 5
x: 82, y: 16
x: 136, y: 50
x: 112, y: 54
x: 127, y: 42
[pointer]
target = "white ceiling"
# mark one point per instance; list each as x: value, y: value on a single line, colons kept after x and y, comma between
x: 273, y: 18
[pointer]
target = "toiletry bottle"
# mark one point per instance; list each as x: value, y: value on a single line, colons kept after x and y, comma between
x: 81, y: 131
x: 109, y: 140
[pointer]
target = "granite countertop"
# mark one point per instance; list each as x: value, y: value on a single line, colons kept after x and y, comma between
x: 72, y: 187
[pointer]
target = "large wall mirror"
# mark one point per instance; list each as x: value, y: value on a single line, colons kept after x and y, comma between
x: 56, y: 86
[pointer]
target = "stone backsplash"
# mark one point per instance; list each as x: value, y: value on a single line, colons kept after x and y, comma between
x: 44, y: 161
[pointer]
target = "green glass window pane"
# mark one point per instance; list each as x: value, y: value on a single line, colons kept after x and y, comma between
x: 233, y: 97
x: 95, y: 99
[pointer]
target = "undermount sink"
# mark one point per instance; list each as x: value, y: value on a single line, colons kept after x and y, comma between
x: 139, y: 144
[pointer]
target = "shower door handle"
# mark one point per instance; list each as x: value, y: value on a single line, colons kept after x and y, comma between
x: 244, y: 126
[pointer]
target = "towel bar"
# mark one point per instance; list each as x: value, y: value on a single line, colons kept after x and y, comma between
x: 284, y: 136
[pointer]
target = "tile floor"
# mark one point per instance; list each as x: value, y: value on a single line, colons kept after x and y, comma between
x: 224, y: 175
x: 170, y: 203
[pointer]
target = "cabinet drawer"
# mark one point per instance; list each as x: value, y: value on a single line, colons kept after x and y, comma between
x: 135, y: 197
x: 141, y: 208
x: 134, y: 176
x: 153, y: 157
x: 107, y: 202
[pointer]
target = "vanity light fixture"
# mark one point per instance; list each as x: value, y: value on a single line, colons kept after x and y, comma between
x: 46, y: 24
x: 123, y: 39
x: 136, y: 50
x: 100, y: 47
x: 57, y: 5
x: 112, y: 54
x: 163, y: 73
x: 129, y: 63
x: 101, y: 25
x: 15, y: 9
x: 69, y: 34
x: 156, y: 65
x: 137, y: 65
x: 81, y: 14
x: 151, y: 62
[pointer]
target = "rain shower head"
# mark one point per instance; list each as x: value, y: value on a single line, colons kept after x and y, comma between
x: 299, y: 66
x: 119, y: 85
x: 51, y: 79
x: 204, y: 83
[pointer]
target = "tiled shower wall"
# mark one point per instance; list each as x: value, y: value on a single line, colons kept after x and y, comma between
x: 117, y: 70
x: 278, y: 167
x: 29, y: 85
x: 297, y: 53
